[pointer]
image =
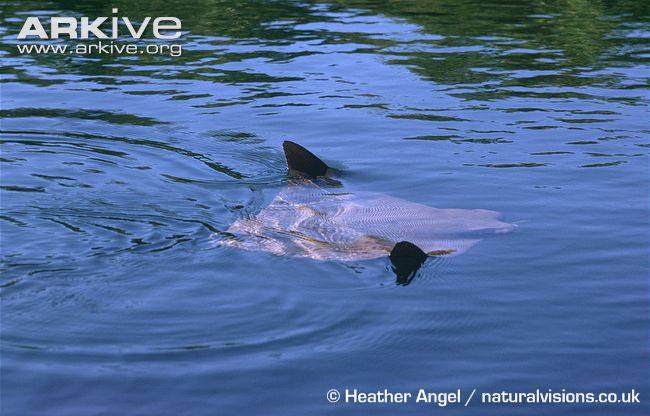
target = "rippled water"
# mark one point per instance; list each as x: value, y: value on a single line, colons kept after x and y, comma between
x: 116, y: 170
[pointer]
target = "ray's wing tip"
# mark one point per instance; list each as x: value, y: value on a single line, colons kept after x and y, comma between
x: 407, y: 252
x: 508, y: 228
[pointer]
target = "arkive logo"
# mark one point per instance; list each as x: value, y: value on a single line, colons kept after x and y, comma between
x: 81, y: 28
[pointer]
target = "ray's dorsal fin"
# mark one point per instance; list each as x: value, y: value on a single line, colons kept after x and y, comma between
x: 302, y: 162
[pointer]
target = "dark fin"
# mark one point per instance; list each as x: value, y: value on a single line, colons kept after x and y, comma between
x: 302, y: 162
x: 407, y: 259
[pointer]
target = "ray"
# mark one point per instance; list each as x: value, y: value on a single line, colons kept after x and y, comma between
x: 312, y: 218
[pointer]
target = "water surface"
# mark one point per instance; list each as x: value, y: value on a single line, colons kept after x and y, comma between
x: 116, y: 170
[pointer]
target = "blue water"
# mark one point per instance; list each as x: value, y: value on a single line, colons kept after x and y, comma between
x: 116, y: 171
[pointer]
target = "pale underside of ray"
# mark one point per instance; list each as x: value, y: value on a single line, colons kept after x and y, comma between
x: 309, y: 221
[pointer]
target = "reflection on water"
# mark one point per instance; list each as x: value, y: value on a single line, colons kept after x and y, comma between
x: 116, y: 170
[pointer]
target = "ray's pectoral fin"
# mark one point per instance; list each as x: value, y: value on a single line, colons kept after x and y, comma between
x: 302, y: 162
x: 407, y: 259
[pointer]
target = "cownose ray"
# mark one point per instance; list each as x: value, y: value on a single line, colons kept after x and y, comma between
x: 314, y: 217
